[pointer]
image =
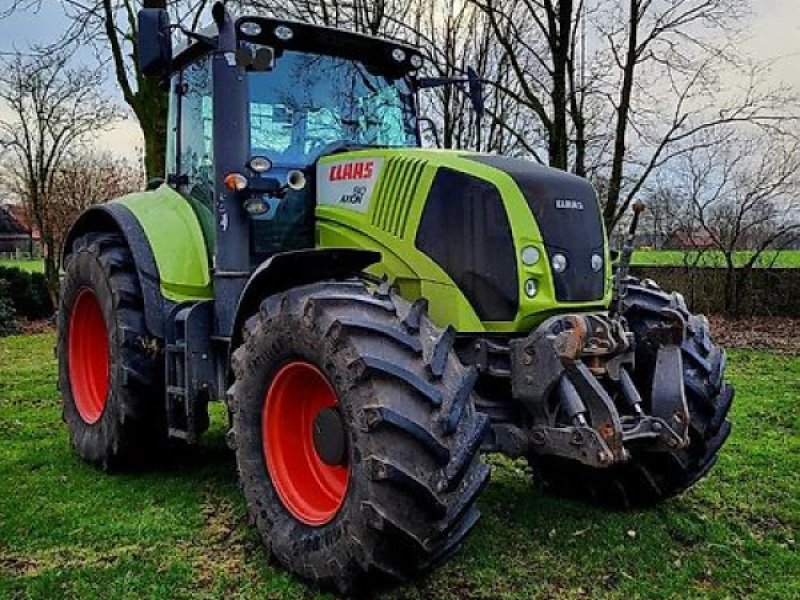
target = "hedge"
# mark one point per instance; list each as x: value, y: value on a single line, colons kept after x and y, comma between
x: 8, y: 317
x: 27, y: 293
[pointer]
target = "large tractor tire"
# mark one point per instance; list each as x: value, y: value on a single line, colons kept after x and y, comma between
x: 650, y: 477
x: 356, y: 437
x: 110, y: 372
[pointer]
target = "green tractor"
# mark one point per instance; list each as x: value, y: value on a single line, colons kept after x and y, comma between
x: 375, y: 315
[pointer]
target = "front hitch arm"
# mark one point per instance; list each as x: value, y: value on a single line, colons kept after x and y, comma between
x: 555, y: 374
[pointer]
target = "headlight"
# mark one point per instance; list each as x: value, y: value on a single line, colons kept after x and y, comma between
x: 284, y: 33
x: 399, y: 54
x: 255, y: 206
x: 559, y: 262
x: 597, y: 262
x: 250, y: 29
x: 417, y: 61
x: 530, y: 256
x: 260, y: 164
x: 531, y: 288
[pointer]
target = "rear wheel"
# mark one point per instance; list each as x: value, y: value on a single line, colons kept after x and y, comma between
x: 356, y: 438
x: 649, y: 477
x: 109, y: 367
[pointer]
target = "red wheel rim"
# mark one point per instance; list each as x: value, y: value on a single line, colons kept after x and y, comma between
x: 310, y: 489
x: 88, y: 356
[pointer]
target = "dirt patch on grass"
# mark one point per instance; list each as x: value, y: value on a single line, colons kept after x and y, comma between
x: 64, y: 557
x: 27, y: 327
x: 225, y: 547
x: 781, y: 334
x: 14, y: 566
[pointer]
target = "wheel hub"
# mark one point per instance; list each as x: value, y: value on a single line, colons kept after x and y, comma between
x: 88, y: 356
x: 329, y: 436
x: 305, y: 443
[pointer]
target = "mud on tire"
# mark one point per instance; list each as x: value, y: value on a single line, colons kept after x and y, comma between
x: 413, y: 436
x: 649, y: 477
x: 128, y: 422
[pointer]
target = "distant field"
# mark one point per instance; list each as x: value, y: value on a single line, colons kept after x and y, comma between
x: 784, y: 259
x: 32, y: 265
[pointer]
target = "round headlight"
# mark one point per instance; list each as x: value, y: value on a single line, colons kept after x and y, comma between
x: 597, y: 262
x: 250, y: 28
x: 399, y: 54
x: 530, y: 256
x: 256, y: 206
x: 260, y: 164
x: 531, y: 288
x: 284, y: 32
x: 559, y: 262
x: 417, y: 61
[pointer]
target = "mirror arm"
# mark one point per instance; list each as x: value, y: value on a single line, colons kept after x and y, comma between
x: 206, y: 40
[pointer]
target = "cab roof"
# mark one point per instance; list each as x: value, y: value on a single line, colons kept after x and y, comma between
x: 318, y: 39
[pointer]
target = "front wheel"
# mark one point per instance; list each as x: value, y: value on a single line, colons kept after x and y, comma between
x: 356, y: 437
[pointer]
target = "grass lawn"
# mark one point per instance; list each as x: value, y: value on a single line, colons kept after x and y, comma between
x: 785, y: 259
x: 29, y: 265
x: 69, y: 531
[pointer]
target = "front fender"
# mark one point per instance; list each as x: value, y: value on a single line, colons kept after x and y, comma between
x: 291, y: 269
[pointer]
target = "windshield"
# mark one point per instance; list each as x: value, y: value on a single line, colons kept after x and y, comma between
x: 309, y: 102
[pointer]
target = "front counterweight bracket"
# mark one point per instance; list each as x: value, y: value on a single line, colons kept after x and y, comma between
x: 668, y: 398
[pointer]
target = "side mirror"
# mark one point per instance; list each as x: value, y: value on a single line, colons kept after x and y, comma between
x: 155, y: 42
x: 475, y: 90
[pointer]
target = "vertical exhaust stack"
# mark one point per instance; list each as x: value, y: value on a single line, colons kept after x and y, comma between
x: 625, y: 260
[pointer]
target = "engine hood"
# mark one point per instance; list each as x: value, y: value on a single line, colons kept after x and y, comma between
x: 472, y: 215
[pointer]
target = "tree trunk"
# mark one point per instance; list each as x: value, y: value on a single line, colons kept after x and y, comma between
x: 730, y: 288
x: 151, y: 107
x: 560, y: 24
x: 51, y: 267
x: 611, y: 213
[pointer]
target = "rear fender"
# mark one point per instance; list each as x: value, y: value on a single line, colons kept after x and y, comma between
x: 117, y: 218
x: 166, y: 237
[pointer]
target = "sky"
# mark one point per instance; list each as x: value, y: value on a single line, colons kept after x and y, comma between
x: 774, y: 34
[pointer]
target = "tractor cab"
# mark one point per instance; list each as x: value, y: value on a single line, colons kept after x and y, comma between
x: 301, y: 92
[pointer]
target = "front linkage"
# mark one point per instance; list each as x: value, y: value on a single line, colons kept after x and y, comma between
x: 573, y: 372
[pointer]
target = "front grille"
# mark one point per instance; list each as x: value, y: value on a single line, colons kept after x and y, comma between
x: 465, y: 230
x: 568, y: 214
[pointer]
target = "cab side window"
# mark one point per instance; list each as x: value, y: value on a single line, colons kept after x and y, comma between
x: 190, y: 151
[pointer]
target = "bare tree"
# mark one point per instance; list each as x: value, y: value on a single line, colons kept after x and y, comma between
x: 111, y: 25
x: 85, y: 178
x: 744, y: 195
x: 623, y: 88
x: 52, y: 110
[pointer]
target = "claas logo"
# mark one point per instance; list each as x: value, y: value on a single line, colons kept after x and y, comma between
x: 351, y: 171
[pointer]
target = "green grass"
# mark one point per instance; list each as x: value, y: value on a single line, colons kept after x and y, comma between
x: 785, y: 259
x: 181, y: 531
x: 29, y: 265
